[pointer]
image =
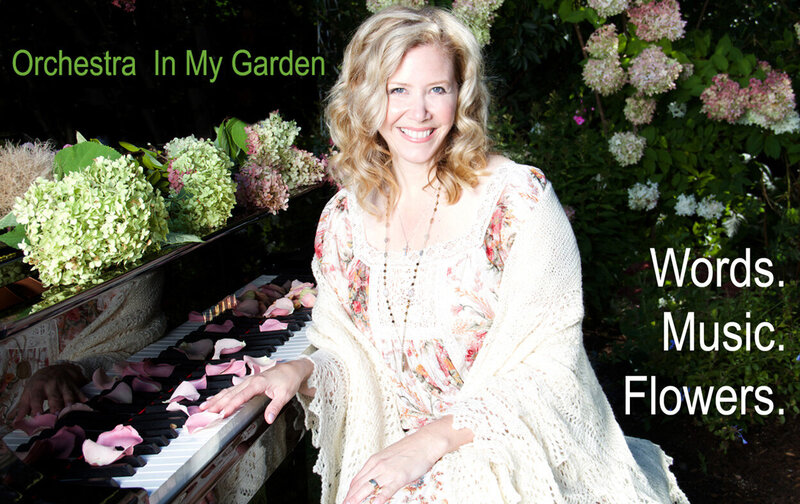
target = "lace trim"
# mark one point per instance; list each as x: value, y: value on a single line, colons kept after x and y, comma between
x: 439, y: 250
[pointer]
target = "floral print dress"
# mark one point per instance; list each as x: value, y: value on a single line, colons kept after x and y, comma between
x: 452, y: 304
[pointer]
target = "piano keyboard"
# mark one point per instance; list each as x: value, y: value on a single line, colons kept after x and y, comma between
x: 166, y: 473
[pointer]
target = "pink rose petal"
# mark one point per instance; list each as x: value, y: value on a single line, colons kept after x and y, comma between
x: 143, y: 384
x: 282, y: 306
x: 197, y: 350
x: 195, y: 316
x: 297, y: 288
x: 144, y: 368
x: 111, y: 446
x: 227, y: 346
x: 65, y: 440
x: 258, y: 364
x: 225, y: 327
x: 38, y: 423
x: 202, y: 420
x: 121, y: 394
x: 101, y: 380
x: 200, y: 383
x: 308, y: 300
x: 184, y: 391
x: 234, y: 367
x: 272, y: 324
x: 248, y: 308
x: 176, y: 406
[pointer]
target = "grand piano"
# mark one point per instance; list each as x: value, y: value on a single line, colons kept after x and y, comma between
x: 173, y: 466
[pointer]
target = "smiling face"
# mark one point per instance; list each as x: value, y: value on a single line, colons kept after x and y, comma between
x: 423, y: 95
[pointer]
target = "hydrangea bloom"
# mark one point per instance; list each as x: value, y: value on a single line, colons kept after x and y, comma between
x: 607, y: 8
x: 603, y: 43
x: 627, y: 148
x: 477, y: 15
x: 105, y: 215
x: 639, y: 110
x: 375, y: 5
x: 605, y: 76
x: 770, y: 100
x: 643, y: 196
x: 657, y: 20
x: 653, y: 72
x: 269, y: 141
x: 686, y: 205
x: 302, y: 169
x: 789, y: 124
x: 732, y: 223
x: 677, y: 110
x: 709, y: 208
x: 261, y: 187
x: 724, y: 99
x: 207, y: 193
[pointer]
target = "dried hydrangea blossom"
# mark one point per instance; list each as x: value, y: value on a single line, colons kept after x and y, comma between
x: 657, y: 20
x: 269, y: 141
x: 643, y: 196
x: 709, y: 208
x: 608, y: 8
x: 686, y: 205
x: 724, y: 99
x: 105, y: 215
x: 603, y: 43
x: 261, y: 187
x: 604, y: 76
x: 639, y: 110
x: 478, y: 16
x: 208, y: 192
x: 627, y: 148
x: 653, y: 72
x: 769, y: 101
x: 20, y: 165
x: 375, y: 5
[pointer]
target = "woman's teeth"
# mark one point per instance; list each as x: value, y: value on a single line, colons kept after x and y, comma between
x: 417, y: 134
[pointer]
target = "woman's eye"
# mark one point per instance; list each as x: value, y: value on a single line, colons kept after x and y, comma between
x: 397, y: 90
x: 439, y: 90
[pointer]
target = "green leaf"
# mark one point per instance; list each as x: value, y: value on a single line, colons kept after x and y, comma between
x: 79, y: 156
x: 13, y: 237
x: 745, y: 67
x: 129, y: 147
x: 181, y: 238
x: 720, y: 62
x: 723, y: 46
x: 79, y: 137
x: 151, y: 162
x: 237, y: 133
x: 755, y: 142
x: 772, y: 147
x: 547, y: 4
x: 8, y: 221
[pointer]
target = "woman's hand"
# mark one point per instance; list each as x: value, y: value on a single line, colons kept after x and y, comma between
x: 59, y: 384
x: 405, y: 461
x: 280, y: 383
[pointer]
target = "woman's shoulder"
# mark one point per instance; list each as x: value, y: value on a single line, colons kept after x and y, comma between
x: 334, y: 221
x: 516, y: 183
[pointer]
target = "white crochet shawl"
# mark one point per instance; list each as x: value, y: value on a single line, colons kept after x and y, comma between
x: 543, y: 429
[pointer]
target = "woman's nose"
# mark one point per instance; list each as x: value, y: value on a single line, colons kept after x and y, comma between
x: 420, y: 110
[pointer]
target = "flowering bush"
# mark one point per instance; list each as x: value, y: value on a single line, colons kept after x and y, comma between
x: 376, y: 5
x: 605, y: 76
x: 686, y: 205
x: 639, y: 110
x: 653, y: 72
x: 658, y: 19
x: 202, y: 192
x: 106, y: 215
x: 643, y: 196
x: 724, y: 100
x: 603, y: 43
x: 709, y: 208
x: 627, y: 148
x: 608, y: 8
x: 477, y: 15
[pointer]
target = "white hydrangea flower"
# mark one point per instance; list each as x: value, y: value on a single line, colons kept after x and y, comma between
x: 789, y: 124
x: 627, y: 148
x: 709, y: 208
x: 643, y: 196
x: 677, y: 110
x: 732, y: 223
x: 686, y: 205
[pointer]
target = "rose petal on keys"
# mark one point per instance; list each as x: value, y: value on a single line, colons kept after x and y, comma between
x: 297, y: 288
x: 247, y: 308
x: 282, y: 306
x: 121, y: 394
x: 195, y: 316
x: 35, y: 424
x: 234, y: 367
x: 193, y: 410
x: 272, y: 324
x: 200, y: 383
x: 308, y: 300
x: 65, y: 440
x: 143, y: 384
x: 176, y: 406
x: 111, y: 445
x: 272, y: 291
x: 220, y: 328
x: 184, y: 391
x: 157, y: 370
x: 202, y: 420
x: 74, y: 407
x: 197, y: 350
x: 101, y: 380
x: 227, y: 346
x: 258, y: 364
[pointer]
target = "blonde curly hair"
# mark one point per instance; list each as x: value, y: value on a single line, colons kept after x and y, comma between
x: 358, y: 101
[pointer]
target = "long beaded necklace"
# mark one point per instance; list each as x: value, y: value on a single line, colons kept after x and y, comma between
x: 413, y: 278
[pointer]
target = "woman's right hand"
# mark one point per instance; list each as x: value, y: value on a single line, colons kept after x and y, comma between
x: 280, y: 383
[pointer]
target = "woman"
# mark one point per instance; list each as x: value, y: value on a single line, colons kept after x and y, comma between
x: 450, y: 366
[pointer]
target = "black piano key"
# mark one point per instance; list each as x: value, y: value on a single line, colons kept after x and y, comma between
x: 146, y: 448
x: 85, y: 471
x: 133, y: 460
x: 92, y: 482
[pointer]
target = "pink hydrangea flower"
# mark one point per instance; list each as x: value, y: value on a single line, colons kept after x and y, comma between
x: 639, y: 109
x: 578, y: 119
x: 657, y: 20
x: 772, y: 99
x: 653, y: 72
x: 607, y: 8
x: 724, y: 99
x: 605, y: 76
x: 603, y: 43
x: 261, y: 187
